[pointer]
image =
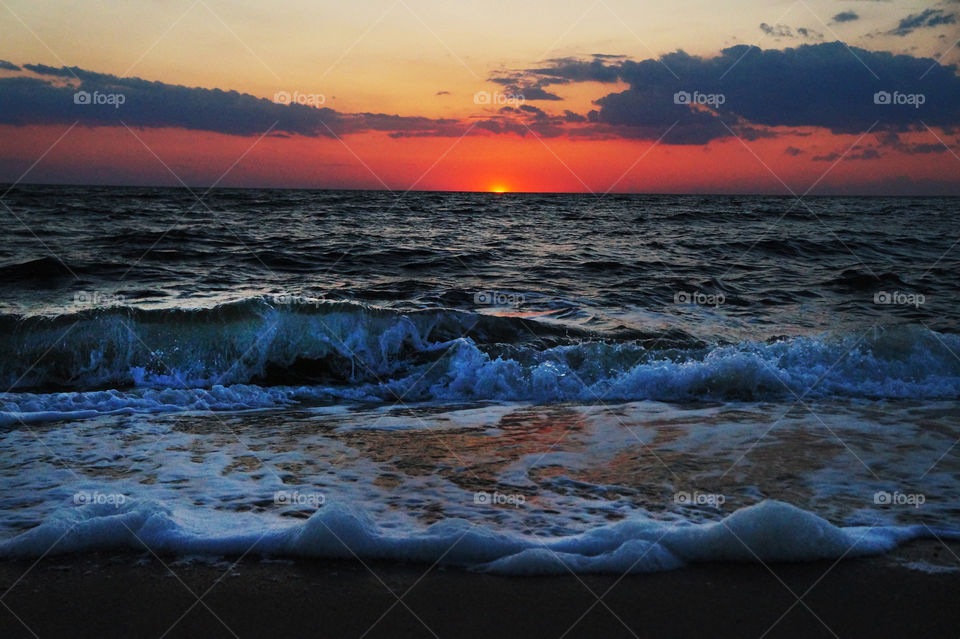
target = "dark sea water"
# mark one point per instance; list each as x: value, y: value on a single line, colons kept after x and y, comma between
x: 594, y: 383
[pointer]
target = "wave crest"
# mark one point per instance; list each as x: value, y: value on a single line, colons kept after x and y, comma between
x: 253, y: 354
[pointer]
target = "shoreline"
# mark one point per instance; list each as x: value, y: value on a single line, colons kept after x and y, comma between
x: 135, y: 594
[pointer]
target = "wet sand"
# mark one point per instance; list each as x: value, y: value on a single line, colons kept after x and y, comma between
x: 144, y: 596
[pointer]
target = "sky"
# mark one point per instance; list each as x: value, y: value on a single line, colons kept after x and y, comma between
x: 780, y: 97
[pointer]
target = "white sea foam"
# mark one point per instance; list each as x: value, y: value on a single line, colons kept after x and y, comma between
x: 767, y: 532
x: 531, y: 489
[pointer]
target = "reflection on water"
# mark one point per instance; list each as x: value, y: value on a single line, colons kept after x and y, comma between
x: 575, y: 467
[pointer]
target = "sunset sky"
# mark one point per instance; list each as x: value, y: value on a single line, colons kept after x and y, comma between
x: 522, y: 96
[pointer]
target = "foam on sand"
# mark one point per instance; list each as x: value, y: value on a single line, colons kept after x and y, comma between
x: 770, y: 531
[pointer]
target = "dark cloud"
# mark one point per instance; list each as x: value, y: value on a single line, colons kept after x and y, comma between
x: 866, y: 154
x: 792, y: 150
x: 912, y: 149
x: 443, y: 93
x: 743, y: 91
x: 824, y: 85
x: 541, y: 127
x: 830, y: 157
x: 748, y: 132
x: 51, y: 100
x: 925, y: 19
x: 527, y: 108
x: 517, y: 84
x: 8, y: 66
x: 779, y: 31
x: 858, y: 153
x: 810, y: 34
x: 565, y: 70
x: 533, y: 93
x: 30, y: 100
x: 893, y: 140
x: 845, y: 16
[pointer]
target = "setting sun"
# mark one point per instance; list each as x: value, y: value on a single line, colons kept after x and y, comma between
x: 498, y: 188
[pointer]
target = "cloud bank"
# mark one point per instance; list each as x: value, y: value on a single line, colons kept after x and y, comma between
x: 684, y: 99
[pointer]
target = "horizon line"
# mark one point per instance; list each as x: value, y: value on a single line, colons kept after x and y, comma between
x: 9, y: 186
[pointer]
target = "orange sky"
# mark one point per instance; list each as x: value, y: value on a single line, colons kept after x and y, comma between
x: 116, y: 156
x: 428, y: 58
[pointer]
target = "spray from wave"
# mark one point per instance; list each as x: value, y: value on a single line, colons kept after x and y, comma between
x: 253, y: 354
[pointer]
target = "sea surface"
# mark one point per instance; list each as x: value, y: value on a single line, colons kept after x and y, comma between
x: 519, y: 383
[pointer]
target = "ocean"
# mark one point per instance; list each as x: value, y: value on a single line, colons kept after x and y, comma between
x: 516, y: 383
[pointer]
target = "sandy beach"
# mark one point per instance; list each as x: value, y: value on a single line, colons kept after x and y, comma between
x: 97, y: 596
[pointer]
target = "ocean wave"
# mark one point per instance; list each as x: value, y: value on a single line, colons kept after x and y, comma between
x: 254, y: 354
x: 256, y: 340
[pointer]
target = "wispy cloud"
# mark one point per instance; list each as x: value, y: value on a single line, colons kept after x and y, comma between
x: 923, y: 20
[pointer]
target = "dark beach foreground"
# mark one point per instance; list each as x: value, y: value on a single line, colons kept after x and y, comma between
x: 132, y: 596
